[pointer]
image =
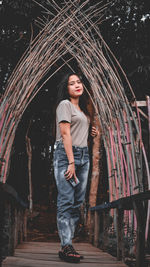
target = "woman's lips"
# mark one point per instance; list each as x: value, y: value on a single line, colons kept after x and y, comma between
x: 78, y: 90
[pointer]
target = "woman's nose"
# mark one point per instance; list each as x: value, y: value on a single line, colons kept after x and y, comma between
x: 76, y: 85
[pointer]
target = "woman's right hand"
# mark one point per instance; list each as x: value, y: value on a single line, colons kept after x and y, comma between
x: 71, y: 172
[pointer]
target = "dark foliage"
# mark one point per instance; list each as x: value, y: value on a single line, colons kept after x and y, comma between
x: 126, y: 31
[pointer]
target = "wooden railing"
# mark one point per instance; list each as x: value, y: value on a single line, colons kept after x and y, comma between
x: 13, y: 220
x: 135, y: 202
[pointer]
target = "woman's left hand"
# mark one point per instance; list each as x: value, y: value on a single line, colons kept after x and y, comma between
x: 94, y: 132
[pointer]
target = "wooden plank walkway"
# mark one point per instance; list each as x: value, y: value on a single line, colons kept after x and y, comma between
x: 44, y: 254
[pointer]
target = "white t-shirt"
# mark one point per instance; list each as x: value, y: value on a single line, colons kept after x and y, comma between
x: 79, y: 127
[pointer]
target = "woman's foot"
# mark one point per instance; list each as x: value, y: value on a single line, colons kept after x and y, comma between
x: 69, y: 254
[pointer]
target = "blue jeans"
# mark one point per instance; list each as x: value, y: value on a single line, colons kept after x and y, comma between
x: 69, y: 198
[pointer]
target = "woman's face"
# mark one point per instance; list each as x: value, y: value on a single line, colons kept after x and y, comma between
x: 75, y: 86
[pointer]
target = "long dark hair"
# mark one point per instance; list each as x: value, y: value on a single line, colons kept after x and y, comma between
x: 63, y: 92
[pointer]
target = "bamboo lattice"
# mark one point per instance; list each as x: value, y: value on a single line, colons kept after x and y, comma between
x: 74, y: 30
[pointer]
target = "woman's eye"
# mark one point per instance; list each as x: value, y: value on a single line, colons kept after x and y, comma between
x: 74, y: 83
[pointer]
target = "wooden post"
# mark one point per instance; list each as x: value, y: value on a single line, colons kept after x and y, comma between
x: 12, y: 229
x: 20, y: 226
x: 8, y: 225
x: 15, y: 232
x: 120, y: 233
x: 148, y: 108
x: 29, y: 153
x: 105, y: 228
x: 96, y: 228
x: 2, y: 256
x: 91, y: 228
x: 140, y: 241
x: 25, y: 226
x: 95, y: 175
x: 95, y: 168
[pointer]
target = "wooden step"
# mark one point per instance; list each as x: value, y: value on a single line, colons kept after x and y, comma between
x: 44, y: 254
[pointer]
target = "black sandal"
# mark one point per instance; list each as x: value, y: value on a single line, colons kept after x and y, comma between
x: 69, y: 254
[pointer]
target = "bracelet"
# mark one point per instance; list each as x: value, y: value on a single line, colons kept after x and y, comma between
x: 71, y: 163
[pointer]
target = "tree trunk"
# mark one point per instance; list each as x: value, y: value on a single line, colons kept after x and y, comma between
x: 95, y: 170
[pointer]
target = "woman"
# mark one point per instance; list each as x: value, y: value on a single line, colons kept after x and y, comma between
x: 71, y: 160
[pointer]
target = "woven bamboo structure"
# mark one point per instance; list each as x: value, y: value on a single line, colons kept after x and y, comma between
x: 73, y: 30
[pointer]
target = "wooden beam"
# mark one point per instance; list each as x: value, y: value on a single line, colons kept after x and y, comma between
x: 96, y: 229
x: 125, y: 203
x: 139, y: 103
x: 91, y: 227
x: 148, y: 107
x: 105, y: 229
x: 120, y: 235
x: 8, y: 189
x: 140, y: 240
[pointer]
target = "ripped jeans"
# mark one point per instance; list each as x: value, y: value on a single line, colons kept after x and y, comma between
x: 69, y: 198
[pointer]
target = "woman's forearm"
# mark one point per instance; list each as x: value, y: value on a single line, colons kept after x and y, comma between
x: 67, y: 141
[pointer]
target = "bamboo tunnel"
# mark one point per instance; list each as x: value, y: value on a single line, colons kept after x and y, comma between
x: 74, y: 31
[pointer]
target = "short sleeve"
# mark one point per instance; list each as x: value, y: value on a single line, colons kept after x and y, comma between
x: 63, y: 111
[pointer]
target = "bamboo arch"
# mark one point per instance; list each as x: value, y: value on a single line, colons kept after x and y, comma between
x: 73, y: 29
